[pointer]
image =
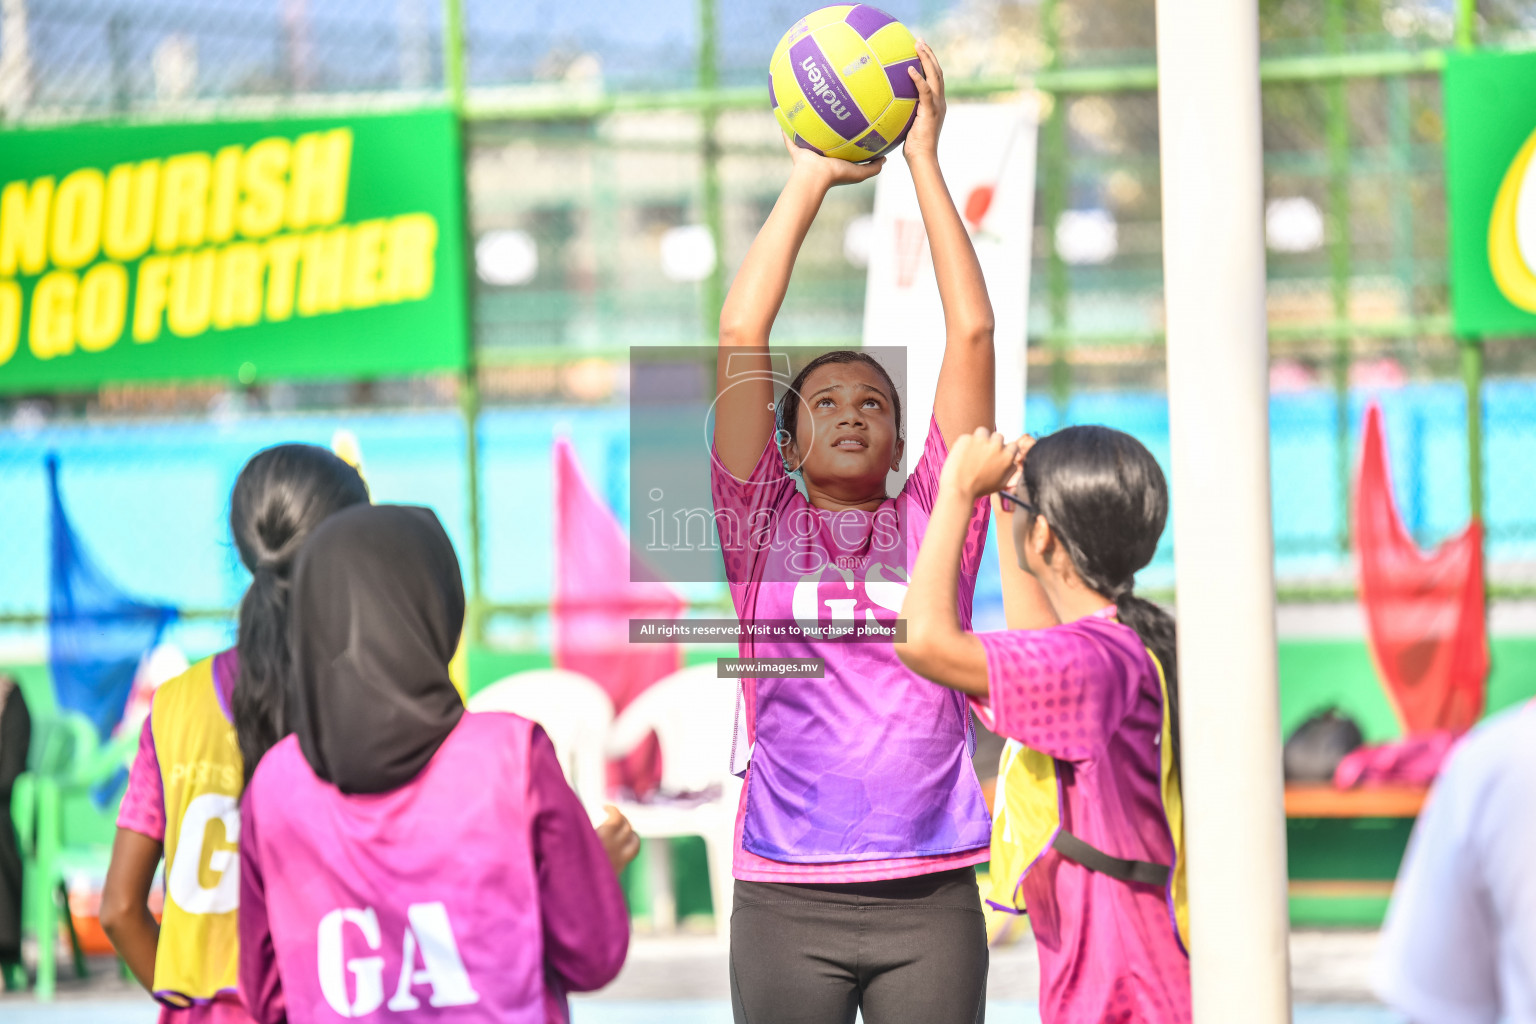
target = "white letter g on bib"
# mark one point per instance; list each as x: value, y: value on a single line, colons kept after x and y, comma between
x: 205, y: 875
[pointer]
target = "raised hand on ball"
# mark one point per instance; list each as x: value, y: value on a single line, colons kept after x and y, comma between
x: 923, y: 139
x: 829, y: 170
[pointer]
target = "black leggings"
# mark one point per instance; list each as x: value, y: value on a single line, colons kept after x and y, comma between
x: 908, y: 951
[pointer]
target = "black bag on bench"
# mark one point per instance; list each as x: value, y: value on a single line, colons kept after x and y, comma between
x: 1318, y: 745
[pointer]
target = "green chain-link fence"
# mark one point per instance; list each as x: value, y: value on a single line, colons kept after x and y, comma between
x: 609, y: 144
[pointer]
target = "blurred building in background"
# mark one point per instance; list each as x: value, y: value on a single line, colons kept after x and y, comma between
x: 621, y: 158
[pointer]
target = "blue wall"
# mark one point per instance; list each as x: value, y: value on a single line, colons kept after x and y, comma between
x: 151, y: 499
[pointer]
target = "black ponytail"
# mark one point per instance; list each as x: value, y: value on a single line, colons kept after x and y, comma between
x: 1106, y: 500
x: 280, y: 496
x: 1157, y: 631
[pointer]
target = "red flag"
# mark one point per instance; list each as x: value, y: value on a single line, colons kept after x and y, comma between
x: 1424, y: 612
x: 594, y: 601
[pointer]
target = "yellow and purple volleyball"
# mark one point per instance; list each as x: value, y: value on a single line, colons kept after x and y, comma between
x: 838, y: 82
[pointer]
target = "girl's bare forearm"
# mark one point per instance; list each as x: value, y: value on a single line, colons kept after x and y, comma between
x: 125, y: 916
x: 935, y: 586
x: 936, y: 647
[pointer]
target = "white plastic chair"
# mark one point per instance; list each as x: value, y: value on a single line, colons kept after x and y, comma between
x: 693, y: 714
x: 576, y: 714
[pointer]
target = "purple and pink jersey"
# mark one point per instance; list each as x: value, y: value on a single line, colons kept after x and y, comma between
x: 478, y: 891
x: 1087, y: 694
x: 864, y: 774
x: 143, y: 811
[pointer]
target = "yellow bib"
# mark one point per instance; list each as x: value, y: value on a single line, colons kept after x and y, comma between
x: 201, y: 771
x: 1027, y: 818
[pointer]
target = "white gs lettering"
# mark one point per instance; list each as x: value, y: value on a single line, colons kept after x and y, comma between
x: 842, y: 596
x: 886, y: 587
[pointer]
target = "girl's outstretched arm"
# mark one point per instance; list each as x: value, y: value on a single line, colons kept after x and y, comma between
x: 965, y: 396
x: 743, y: 412
x: 936, y: 648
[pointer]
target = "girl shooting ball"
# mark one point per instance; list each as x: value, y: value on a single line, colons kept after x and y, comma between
x: 1088, y: 824
x: 861, y: 818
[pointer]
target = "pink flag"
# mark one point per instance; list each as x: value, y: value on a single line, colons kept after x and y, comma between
x: 593, y: 603
x: 1424, y: 610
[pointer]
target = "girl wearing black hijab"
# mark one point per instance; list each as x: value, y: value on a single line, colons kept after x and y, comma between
x: 399, y: 852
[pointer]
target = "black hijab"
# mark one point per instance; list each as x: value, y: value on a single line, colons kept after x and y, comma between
x: 376, y: 610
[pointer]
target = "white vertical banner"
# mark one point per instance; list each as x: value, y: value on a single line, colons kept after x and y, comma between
x: 987, y: 153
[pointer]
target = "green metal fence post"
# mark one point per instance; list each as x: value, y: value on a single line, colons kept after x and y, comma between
x: 469, y: 382
x: 1466, y: 24
x: 1472, y: 380
x: 119, y: 53
x: 453, y: 53
x: 605, y: 231
x: 1405, y: 268
x: 1339, y: 263
x: 1053, y: 199
x: 45, y: 885
x: 1472, y: 347
x: 714, y: 215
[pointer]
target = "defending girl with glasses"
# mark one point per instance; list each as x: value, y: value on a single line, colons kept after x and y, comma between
x: 1088, y: 821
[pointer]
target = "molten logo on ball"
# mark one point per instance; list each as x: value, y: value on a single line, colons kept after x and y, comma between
x: 856, y: 114
x: 822, y: 90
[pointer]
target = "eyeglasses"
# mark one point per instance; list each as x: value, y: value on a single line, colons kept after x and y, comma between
x: 1013, y: 501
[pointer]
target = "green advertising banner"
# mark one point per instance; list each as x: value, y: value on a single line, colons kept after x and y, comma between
x: 1490, y: 115
x: 313, y: 247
